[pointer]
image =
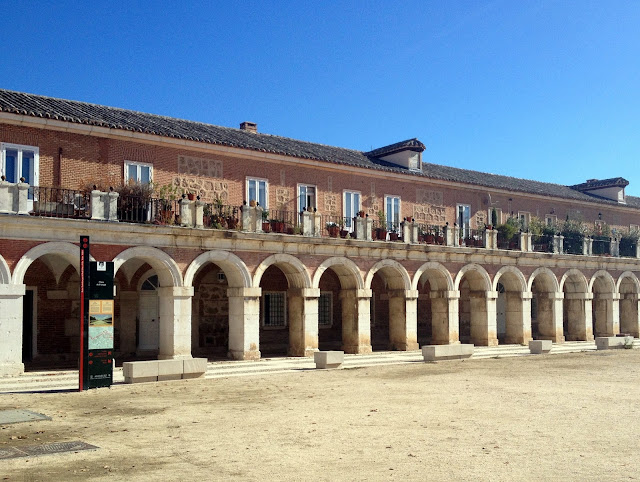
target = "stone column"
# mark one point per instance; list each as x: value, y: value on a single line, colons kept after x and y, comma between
x: 578, y: 308
x: 309, y: 224
x: 444, y: 317
x: 449, y: 235
x: 247, y: 223
x: 356, y: 321
x: 363, y: 227
x: 403, y: 319
x: 587, y: 246
x: 198, y: 212
x: 526, y: 243
x: 112, y: 206
x: 484, y: 330
x: 244, y: 323
x: 6, y: 197
x: 490, y: 238
x: 518, y: 317
x: 607, y: 310
x: 550, y: 316
x: 629, y: 320
x: 11, y: 329
x: 22, y: 192
x: 185, y: 213
x: 97, y: 205
x: 175, y: 322
x: 558, y: 244
x: 128, y: 314
x: 303, y: 321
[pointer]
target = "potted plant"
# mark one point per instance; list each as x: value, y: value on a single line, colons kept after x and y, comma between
x: 393, y: 235
x: 361, y: 213
x: 333, y: 229
x: 265, y: 221
x: 206, y: 215
x: 381, y: 231
x: 574, y: 232
x: 134, y: 201
x: 507, y: 232
x: 167, y: 195
x: 430, y: 237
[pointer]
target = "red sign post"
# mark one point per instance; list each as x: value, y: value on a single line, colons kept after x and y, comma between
x: 84, y: 308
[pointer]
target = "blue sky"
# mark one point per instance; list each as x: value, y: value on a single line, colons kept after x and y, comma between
x: 543, y: 90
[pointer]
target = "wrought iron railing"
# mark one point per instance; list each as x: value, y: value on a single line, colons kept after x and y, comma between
x: 542, y: 243
x: 601, y: 246
x: 138, y: 209
x: 221, y: 216
x: 335, y: 226
x: 57, y: 202
x: 431, y: 234
x: 472, y: 238
x: 628, y: 247
x: 572, y: 244
x: 504, y: 243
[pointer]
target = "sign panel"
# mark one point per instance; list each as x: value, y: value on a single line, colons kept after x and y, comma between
x: 100, y: 326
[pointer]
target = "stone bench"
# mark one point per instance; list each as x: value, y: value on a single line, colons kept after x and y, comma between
x: 446, y: 352
x: 536, y: 347
x: 611, y: 342
x: 328, y: 359
x: 162, y: 370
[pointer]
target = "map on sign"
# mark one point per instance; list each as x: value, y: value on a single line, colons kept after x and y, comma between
x: 100, y: 324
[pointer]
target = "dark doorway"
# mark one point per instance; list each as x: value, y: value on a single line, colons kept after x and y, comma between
x: 27, y: 326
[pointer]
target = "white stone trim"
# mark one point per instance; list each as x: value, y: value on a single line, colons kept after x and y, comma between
x: 513, y: 270
x: 295, y: 272
x: 234, y: 268
x: 163, y: 264
x: 389, y: 263
x: 473, y: 267
x: 348, y: 267
x: 434, y: 267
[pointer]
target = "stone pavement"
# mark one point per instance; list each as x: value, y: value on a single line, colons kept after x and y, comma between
x: 57, y: 380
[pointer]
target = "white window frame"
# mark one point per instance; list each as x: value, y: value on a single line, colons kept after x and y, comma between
x: 330, y: 314
x: 464, y: 228
x: 315, y: 197
x: 391, y: 215
x: 266, y: 190
x: 550, y: 219
x: 349, y: 224
x: 35, y: 169
x: 263, y: 310
x: 138, y: 165
x: 524, y: 218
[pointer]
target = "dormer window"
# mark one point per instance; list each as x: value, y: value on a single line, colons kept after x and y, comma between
x: 612, y: 189
x: 407, y: 154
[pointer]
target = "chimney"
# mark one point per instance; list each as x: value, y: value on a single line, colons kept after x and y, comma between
x: 249, y: 126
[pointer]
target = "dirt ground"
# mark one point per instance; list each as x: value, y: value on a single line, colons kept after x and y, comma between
x: 572, y: 416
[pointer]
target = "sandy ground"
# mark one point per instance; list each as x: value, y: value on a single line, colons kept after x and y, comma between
x: 547, y: 417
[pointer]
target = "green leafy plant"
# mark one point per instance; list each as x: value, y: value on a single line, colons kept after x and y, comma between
x: 509, y: 229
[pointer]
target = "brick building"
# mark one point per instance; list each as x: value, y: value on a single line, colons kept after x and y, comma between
x: 289, y: 246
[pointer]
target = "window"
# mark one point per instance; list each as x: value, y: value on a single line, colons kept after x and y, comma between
x: 274, y: 309
x: 550, y: 219
x: 257, y: 190
x: 392, y: 204
x: 463, y: 219
x: 20, y: 161
x: 524, y: 218
x: 634, y: 228
x: 138, y: 172
x: 351, y: 208
x: 306, y: 196
x: 325, y: 309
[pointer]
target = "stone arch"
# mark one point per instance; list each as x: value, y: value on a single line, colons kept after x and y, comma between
x: 482, y: 280
x: 628, y: 287
x: 396, y: 274
x: 442, y: 279
x: 520, y: 281
x: 164, y: 265
x: 69, y: 251
x: 235, y: 269
x: 547, y: 273
x: 5, y: 272
x: 576, y: 313
x: 546, y: 308
x: 604, y: 304
x: 434, y: 310
x: 347, y: 271
x: 577, y: 279
x: 294, y: 270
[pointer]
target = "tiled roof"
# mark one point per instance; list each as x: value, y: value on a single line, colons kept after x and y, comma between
x: 601, y: 183
x: 110, y: 117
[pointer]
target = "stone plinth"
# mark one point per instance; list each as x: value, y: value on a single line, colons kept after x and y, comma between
x: 328, y: 359
x: 446, y: 352
x: 536, y: 347
x: 612, y: 342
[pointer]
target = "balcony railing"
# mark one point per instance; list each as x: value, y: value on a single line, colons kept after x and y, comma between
x: 628, y: 247
x: 56, y: 202
x: 512, y: 244
x: 431, y: 234
x: 542, y: 243
x: 221, y: 216
x: 136, y: 209
x: 472, y: 238
x: 573, y: 244
x: 601, y: 246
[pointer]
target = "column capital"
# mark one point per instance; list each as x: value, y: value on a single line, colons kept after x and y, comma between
x: 11, y: 290
x: 304, y: 292
x: 176, y: 291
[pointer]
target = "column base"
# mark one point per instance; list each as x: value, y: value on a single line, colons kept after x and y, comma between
x: 253, y: 355
x: 11, y: 369
x: 411, y: 346
x: 486, y: 342
x: 357, y: 349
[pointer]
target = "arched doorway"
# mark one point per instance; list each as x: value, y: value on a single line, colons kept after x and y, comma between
x: 604, y: 305
x: 437, y: 320
x: 576, y: 320
x: 477, y: 307
x: 546, y: 306
x: 513, y: 307
x: 628, y: 290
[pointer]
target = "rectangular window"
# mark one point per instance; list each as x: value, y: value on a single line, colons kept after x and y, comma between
x: 524, y: 218
x: 550, y: 219
x: 274, y: 309
x: 306, y: 197
x: 20, y: 161
x: 138, y: 172
x: 463, y: 219
x: 325, y: 309
x: 351, y: 207
x: 392, y: 204
x: 257, y: 190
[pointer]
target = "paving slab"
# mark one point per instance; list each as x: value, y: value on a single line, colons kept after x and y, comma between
x: 44, y: 449
x: 17, y: 416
